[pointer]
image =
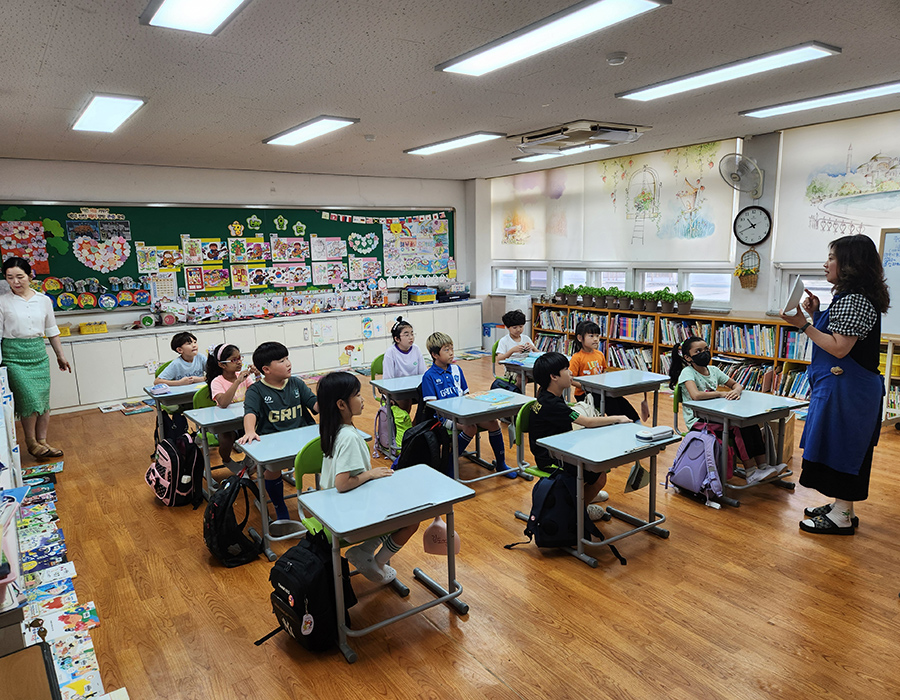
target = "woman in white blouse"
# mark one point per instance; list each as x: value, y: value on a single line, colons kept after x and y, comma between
x: 26, y: 317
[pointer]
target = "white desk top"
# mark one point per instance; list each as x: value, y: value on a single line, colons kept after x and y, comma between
x: 752, y: 404
x: 397, y: 384
x: 407, y: 492
x: 522, y: 361
x: 463, y: 407
x: 176, y: 394
x: 622, y: 380
x: 607, y: 446
x: 277, y: 447
x: 213, y: 415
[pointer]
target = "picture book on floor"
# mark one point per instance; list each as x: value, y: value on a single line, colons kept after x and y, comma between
x: 79, y: 618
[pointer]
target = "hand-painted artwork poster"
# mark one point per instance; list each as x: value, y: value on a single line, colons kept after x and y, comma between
x: 240, y: 278
x: 193, y: 279
x: 147, y: 260
x: 213, y: 250
x: 259, y: 275
x: 25, y: 239
x: 257, y: 250
x: 215, y: 279
x: 328, y: 273
x: 364, y: 268
x: 289, y: 249
x: 327, y: 248
x: 192, y: 250
x: 82, y: 229
x: 114, y: 229
x: 169, y: 257
x: 413, y: 247
x: 237, y: 250
x: 291, y: 275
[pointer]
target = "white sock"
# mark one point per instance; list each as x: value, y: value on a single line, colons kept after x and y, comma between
x: 841, y: 512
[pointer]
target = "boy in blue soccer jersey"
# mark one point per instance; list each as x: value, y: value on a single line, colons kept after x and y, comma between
x: 444, y: 380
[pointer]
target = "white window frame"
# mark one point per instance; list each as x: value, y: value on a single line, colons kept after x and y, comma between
x: 684, y: 276
x: 495, y: 276
x: 786, y: 273
x: 524, y: 282
x: 640, y: 274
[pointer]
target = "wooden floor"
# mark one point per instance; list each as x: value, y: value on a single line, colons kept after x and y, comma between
x: 737, y: 603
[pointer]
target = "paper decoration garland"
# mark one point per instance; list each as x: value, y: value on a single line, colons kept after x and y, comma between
x: 363, y: 243
x: 103, y: 256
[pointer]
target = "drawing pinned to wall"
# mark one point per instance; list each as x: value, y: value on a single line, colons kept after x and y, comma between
x: 327, y: 248
x: 240, y: 278
x: 324, y: 331
x: 193, y: 277
x: 291, y: 275
x: 213, y: 250
x: 191, y: 250
x: 215, y: 279
x: 114, y: 229
x: 260, y: 275
x: 364, y: 243
x: 328, y: 273
x: 102, y: 256
x: 147, y: 260
x: 289, y: 249
x: 82, y: 229
x: 169, y: 257
x: 25, y: 239
x: 415, y: 247
x: 364, y: 268
x: 237, y: 250
x: 351, y: 356
x: 257, y: 250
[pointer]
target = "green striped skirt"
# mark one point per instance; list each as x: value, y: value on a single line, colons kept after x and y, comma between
x: 28, y: 368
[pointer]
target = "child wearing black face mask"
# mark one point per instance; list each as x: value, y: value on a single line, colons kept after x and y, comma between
x: 698, y: 381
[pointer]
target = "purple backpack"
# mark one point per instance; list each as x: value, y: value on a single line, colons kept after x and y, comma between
x: 385, y: 432
x: 695, y: 468
x: 176, y: 475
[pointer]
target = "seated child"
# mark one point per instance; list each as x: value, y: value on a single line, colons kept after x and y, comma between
x: 277, y: 402
x: 188, y: 368
x: 445, y: 379
x: 698, y: 381
x: 586, y: 360
x: 346, y: 466
x: 403, y: 358
x: 228, y: 381
x: 552, y: 416
x: 514, y: 343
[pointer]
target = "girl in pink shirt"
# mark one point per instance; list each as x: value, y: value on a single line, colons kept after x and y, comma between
x: 228, y: 380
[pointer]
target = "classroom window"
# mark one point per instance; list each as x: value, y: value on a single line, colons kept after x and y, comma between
x: 654, y: 281
x: 710, y: 287
x: 506, y: 279
x: 613, y: 279
x: 814, y: 283
x: 536, y: 279
x: 573, y: 277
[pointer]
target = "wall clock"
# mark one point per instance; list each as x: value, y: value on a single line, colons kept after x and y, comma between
x: 752, y: 225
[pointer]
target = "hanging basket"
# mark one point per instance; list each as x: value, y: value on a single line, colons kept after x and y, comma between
x: 749, y: 281
x: 749, y: 261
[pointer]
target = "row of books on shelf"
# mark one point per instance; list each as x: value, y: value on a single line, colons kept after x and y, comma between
x: 749, y: 339
x: 672, y: 332
x: 893, y: 398
x: 796, y: 345
x: 628, y: 357
x: 577, y: 317
x: 793, y: 383
x: 552, y: 320
x: 639, y: 328
x: 753, y: 376
x: 553, y: 343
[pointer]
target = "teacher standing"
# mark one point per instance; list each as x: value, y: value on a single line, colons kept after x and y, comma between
x: 846, y: 387
x: 26, y: 316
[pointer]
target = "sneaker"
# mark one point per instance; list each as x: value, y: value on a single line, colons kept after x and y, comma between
x: 233, y: 467
x: 761, y: 474
x: 596, y: 512
x: 781, y: 468
x: 365, y: 563
x: 602, y: 496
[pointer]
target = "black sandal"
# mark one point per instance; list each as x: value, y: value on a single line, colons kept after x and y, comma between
x: 825, y: 510
x: 823, y: 525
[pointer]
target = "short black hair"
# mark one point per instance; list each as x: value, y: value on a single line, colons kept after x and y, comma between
x: 548, y: 364
x: 267, y: 353
x: 584, y: 328
x: 181, y: 338
x: 21, y: 263
x: 513, y: 318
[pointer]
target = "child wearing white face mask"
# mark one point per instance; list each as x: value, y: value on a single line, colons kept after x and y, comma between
x: 699, y: 381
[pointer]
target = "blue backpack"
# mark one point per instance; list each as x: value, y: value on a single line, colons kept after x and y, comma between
x: 695, y: 468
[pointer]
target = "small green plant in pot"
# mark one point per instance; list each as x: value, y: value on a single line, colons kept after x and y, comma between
x: 685, y: 300
x: 568, y: 295
x: 649, y: 301
x: 600, y: 297
x: 637, y: 301
x: 612, y: 298
x: 587, y: 299
x: 666, y: 300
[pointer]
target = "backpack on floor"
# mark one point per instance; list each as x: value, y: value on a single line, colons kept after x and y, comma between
x: 553, y: 520
x: 176, y: 474
x: 174, y: 424
x: 426, y: 443
x: 695, y: 468
x: 504, y: 383
x: 385, y: 431
x: 223, y: 534
x: 303, y: 599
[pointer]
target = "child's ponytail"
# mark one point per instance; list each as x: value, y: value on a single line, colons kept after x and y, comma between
x: 678, y: 361
x: 218, y: 354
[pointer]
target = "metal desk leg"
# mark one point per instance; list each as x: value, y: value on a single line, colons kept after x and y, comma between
x: 159, y: 417
x: 603, y: 402
x: 348, y: 653
x: 655, y: 407
x: 579, y: 520
x: 211, y: 485
x: 723, y: 465
x: 264, y: 512
x: 454, y: 435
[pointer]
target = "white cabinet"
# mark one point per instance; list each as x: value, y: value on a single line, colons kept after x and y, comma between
x: 301, y: 359
x: 446, y: 320
x: 137, y: 352
x: 63, y: 385
x: 326, y: 356
x: 269, y: 333
x: 349, y: 328
x: 297, y: 334
x: 244, y: 338
x: 98, y: 368
x: 136, y: 378
x: 423, y: 324
x: 469, y: 326
x: 208, y: 338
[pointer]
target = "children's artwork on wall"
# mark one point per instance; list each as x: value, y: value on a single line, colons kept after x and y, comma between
x: 378, y: 297
x: 213, y: 250
x: 254, y: 223
x: 114, y: 229
x: 163, y: 286
x: 235, y: 228
x: 240, y: 278
x: 193, y: 279
x: 257, y: 250
x: 237, y: 250
x: 364, y: 268
x: 351, y: 356
x: 147, y: 259
x: 363, y: 243
x: 326, y: 274
x: 192, y: 250
x: 103, y: 256
x: 324, y: 331
x: 169, y: 257
x: 299, y: 228
x: 837, y: 179
x: 215, y: 279
x: 412, y: 247
x: 25, y: 239
x: 79, y: 229
x: 281, y: 223
x: 291, y: 275
x: 327, y: 248
x: 259, y: 275
x: 289, y: 249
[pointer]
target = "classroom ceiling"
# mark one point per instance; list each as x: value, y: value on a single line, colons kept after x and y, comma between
x: 212, y: 100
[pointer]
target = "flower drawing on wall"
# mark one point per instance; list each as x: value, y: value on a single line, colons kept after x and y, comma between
x: 517, y: 228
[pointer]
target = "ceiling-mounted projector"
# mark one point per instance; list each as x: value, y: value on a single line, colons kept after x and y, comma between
x: 578, y: 133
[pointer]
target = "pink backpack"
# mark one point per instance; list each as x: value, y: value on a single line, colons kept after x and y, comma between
x: 176, y: 476
x: 695, y: 468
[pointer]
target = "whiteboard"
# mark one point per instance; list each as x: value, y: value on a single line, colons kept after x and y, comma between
x: 890, y: 258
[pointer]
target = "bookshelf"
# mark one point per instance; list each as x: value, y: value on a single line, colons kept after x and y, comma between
x: 891, y: 369
x: 761, y: 352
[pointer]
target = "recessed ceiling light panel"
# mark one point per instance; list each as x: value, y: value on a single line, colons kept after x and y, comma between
x: 201, y: 16
x: 458, y: 142
x: 106, y: 113
x: 560, y: 28
x: 309, y: 130
x: 836, y: 98
x: 732, y: 71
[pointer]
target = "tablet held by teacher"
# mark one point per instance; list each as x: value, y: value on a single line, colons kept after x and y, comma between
x: 26, y: 317
x: 847, y: 389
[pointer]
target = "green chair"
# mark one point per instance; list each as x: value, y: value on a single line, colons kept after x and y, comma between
x: 377, y: 367
x: 203, y: 399
x: 523, y: 418
x: 167, y: 409
x: 309, y: 461
x: 676, y: 399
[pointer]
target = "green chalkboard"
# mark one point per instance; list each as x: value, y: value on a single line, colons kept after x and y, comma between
x: 209, y: 248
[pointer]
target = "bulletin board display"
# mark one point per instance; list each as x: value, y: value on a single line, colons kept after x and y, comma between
x: 890, y: 258
x: 204, y: 251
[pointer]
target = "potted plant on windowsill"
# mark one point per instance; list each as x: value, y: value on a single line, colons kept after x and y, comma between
x: 637, y: 301
x: 625, y: 300
x: 568, y: 295
x: 587, y: 299
x: 666, y: 300
x: 684, y: 299
x: 612, y: 298
x: 600, y: 297
x: 649, y: 302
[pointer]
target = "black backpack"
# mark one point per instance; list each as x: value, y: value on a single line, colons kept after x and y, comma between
x: 502, y: 383
x: 303, y: 597
x: 426, y: 443
x: 174, y: 425
x: 223, y: 534
x: 176, y: 473
x: 553, y: 522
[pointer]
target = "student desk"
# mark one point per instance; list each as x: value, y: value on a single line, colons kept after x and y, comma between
x: 182, y: 395
x: 276, y: 452
x: 381, y: 506
x: 753, y: 408
x: 623, y: 383
x: 399, y: 388
x: 214, y: 420
x: 467, y: 410
x: 524, y: 368
x: 600, y: 450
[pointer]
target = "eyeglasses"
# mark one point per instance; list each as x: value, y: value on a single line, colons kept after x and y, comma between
x: 408, y: 334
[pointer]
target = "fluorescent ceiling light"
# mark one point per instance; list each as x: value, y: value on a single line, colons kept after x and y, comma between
x: 309, y: 130
x: 106, y: 113
x: 563, y: 152
x: 836, y: 98
x: 458, y: 142
x: 201, y: 16
x: 732, y: 71
x: 560, y: 28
